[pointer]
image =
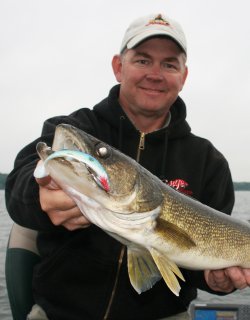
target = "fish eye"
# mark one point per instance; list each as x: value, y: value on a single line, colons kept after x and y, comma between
x: 102, y: 151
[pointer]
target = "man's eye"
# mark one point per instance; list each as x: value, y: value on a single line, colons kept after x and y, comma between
x: 143, y: 62
x: 167, y: 65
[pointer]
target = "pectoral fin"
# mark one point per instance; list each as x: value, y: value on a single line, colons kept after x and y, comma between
x: 172, y: 233
x: 168, y: 270
x: 143, y: 273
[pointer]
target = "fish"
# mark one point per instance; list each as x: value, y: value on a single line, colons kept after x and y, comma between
x: 163, y: 229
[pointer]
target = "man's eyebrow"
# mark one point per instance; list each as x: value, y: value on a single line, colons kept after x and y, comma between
x: 146, y: 55
x: 172, y: 59
x: 143, y: 54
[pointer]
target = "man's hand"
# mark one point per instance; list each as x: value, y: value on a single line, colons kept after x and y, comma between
x: 226, y: 280
x: 60, y: 208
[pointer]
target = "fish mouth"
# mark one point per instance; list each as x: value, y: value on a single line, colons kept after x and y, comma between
x: 76, y: 160
x: 67, y: 137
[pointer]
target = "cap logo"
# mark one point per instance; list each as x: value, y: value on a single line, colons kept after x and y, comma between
x: 158, y: 20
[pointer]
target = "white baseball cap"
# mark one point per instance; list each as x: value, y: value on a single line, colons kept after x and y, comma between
x: 150, y: 26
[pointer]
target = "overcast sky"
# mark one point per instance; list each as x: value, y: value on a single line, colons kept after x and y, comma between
x: 55, y: 57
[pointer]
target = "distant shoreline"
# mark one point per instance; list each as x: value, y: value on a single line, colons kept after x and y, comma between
x: 238, y: 186
x: 3, y: 177
x: 242, y: 186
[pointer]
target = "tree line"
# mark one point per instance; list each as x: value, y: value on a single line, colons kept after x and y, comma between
x: 3, y: 177
x: 242, y: 186
x: 238, y: 186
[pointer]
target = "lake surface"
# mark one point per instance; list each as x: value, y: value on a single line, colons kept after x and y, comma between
x: 241, y: 211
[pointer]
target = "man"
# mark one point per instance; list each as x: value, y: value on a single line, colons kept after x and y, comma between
x: 83, y: 272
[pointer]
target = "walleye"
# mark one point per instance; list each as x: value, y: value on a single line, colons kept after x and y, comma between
x: 162, y: 228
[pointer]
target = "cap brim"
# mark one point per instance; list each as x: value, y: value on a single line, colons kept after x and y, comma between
x: 151, y: 33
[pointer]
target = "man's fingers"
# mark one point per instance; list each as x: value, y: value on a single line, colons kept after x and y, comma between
x: 237, y: 276
x: 218, y: 281
x: 71, y: 219
x: 226, y: 280
x: 219, y: 278
x: 60, y: 208
x: 77, y: 223
x: 72, y: 216
x: 59, y: 217
x: 47, y: 182
x: 43, y: 181
x: 246, y: 273
x: 55, y: 200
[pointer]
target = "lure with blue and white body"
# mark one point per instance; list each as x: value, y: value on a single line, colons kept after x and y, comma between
x: 94, y: 167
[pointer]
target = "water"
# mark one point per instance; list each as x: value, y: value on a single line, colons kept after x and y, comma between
x: 241, y: 211
x: 5, y: 225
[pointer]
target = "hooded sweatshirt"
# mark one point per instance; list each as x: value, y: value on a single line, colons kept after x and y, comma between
x: 83, y: 274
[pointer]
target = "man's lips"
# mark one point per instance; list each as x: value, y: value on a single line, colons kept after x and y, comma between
x: 153, y: 90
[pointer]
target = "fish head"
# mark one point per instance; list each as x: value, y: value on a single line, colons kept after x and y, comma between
x: 73, y: 161
x: 129, y: 188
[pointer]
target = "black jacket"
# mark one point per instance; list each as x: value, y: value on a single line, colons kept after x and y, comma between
x: 80, y: 270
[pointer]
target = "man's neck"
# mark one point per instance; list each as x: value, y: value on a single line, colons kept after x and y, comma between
x: 148, y: 122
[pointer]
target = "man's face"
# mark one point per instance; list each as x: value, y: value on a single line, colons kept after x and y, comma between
x: 151, y: 76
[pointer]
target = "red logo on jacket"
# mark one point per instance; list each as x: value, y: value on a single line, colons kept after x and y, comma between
x: 180, y: 185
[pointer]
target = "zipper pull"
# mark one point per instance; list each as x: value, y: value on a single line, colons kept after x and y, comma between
x: 141, y: 145
x: 142, y: 141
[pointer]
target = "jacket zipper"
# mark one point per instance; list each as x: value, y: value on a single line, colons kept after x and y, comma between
x: 141, y: 145
x: 140, y: 148
x: 115, y: 283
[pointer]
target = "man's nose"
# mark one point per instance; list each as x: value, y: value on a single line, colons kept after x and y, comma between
x: 155, y: 73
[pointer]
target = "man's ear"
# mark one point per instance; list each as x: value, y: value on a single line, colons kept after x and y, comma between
x: 117, y: 67
x: 185, y: 74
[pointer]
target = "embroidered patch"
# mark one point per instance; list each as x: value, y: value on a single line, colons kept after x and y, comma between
x: 180, y: 185
x: 158, y: 20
